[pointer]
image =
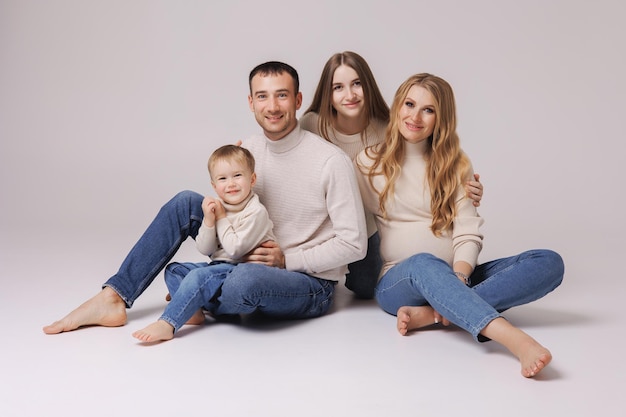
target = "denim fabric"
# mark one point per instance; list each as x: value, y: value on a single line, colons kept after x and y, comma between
x: 249, y: 287
x: 192, y: 286
x: 496, y: 286
x: 274, y: 292
x: 363, y: 275
x: 177, y: 220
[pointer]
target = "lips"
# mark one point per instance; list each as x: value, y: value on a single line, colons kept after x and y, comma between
x: 411, y: 126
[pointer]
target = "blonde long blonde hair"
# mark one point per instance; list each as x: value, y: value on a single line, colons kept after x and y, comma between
x: 447, y: 164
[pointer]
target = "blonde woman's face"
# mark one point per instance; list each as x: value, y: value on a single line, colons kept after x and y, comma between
x: 417, y: 115
x: 347, y: 96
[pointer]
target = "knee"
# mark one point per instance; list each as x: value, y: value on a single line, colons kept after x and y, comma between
x: 427, y: 261
x: 186, y: 198
x: 552, y: 260
x: 553, y: 265
x: 241, y: 281
x: 176, y: 268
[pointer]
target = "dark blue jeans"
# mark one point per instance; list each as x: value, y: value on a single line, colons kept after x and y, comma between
x: 248, y: 287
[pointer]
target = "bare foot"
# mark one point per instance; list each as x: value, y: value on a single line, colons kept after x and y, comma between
x: 157, y: 331
x: 411, y: 318
x: 532, y: 356
x: 104, y: 309
x: 197, y: 318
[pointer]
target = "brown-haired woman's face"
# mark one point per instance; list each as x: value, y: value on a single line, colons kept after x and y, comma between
x: 417, y: 115
x: 347, y: 95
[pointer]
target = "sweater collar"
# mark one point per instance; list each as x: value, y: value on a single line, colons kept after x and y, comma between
x: 414, y: 150
x: 287, y: 143
x: 236, y: 208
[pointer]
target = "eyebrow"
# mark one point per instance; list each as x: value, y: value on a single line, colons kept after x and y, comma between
x: 349, y: 82
x: 283, y: 90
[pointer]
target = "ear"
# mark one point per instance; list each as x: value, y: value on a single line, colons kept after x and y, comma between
x: 250, y: 103
x: 253, y: 179
x: 298, y: 100
x: 213, y: 185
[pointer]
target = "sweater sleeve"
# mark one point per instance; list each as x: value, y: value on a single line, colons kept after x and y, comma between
x: 467, y: 239
x: 247, y: 234
x: 206, y: 241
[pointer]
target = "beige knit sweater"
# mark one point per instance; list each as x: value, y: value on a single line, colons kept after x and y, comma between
x: 309, y: 188
x: 406, y: 230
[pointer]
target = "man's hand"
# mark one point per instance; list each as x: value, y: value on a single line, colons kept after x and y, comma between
x: 268, y: 253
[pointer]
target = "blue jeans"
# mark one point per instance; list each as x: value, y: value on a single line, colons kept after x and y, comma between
x: 177, y: 220
x: 200, y: 286
x: 247, y: 288
x: 495, y: 286
x: 363, y: 274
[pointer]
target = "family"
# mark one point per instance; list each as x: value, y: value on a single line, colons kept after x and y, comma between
x: 382, y: 196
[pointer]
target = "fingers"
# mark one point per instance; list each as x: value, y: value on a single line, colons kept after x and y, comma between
x: 268, y: 253
x: 269, y: 244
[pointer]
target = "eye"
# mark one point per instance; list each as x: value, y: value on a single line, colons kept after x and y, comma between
x: 357, y: 83
x: 409, y: 104
x: 429, y: 110
x: 337, y: 87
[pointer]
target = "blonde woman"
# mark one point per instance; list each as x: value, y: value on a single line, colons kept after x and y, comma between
x: 430, y: 235
x: 349, y: 111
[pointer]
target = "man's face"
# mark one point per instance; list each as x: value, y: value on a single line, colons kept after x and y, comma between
x: 274, y: 103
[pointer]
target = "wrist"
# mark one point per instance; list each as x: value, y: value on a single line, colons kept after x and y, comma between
x: 463, y: 277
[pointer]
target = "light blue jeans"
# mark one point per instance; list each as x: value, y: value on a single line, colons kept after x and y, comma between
x: 495, y: 286
x: 199, y: 288
x: 246, y: 288
x: 274, y: 291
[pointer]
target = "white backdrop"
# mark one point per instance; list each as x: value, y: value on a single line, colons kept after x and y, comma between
x: 107, y: 108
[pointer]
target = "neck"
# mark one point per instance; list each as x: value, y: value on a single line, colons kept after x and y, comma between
x: 349, y: 125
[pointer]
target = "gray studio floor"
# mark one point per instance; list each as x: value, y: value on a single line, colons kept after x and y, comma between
x: 349, y: 363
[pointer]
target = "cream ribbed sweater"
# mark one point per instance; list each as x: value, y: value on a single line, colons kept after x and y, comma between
x: 245, y: 227
x: 350, y: 144
x: 406, y: 230
x: 309, y: 188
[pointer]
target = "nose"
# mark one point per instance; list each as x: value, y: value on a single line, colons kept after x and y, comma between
x: 273, y: 103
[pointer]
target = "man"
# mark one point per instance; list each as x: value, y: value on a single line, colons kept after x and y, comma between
x: 310, y: 191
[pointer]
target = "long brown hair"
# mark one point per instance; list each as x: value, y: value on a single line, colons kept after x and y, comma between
x: 376, y: 107
x: 447, y: 164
